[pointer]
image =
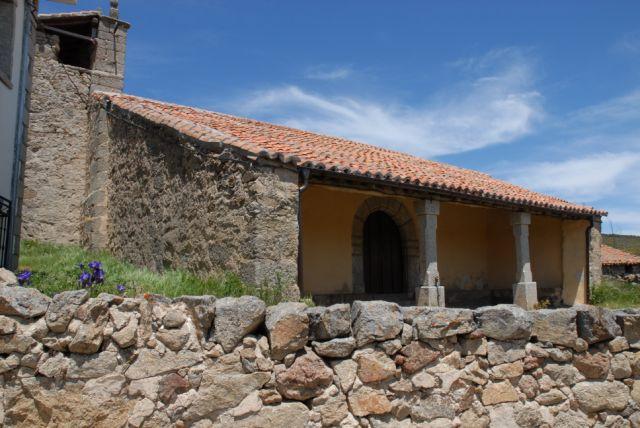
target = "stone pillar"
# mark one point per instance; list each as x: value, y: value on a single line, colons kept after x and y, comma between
x: 595, y: 253
x: 429, y: 292
x: 525, y: 293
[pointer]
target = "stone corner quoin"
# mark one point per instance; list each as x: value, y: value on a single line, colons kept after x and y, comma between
x: 198, y: 360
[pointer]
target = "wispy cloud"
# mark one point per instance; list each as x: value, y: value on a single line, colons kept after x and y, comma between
x: 326, y: 73
x: 622, y: 221
x: 497, y: 106
x: 622, y: 109
x: 628, y: 44
x: 584, y: 179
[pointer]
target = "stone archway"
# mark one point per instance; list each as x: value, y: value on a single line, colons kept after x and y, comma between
x: 398, y: 212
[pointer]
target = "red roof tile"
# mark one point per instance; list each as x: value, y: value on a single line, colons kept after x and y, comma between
x: 613, y: 256
x: 307, y: 149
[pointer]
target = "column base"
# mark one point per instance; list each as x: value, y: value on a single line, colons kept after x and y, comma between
x: 525, y: 295
x: 430, y: 296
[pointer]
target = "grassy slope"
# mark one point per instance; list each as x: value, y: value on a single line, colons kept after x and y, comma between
x: 629, y: 243
x: 55, y: 269
x: 616, y: 294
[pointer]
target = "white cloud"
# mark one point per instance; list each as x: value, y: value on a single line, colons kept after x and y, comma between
x: 584, y: 179
x: 323, y: 73
x: 629, y: 43
x: 499, y: 105
x: 623, y: 109
x: 622, y: 221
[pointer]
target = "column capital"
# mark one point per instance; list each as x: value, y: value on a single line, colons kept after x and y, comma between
x: 427, y: 207
x: 520, y: 218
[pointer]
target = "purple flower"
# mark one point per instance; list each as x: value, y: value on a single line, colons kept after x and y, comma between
x: 98, y: 276
x: 85, y: 279
x: 121, y: 288
x: 24, y: 278
x: 80, y: 266
x: 95, y: 265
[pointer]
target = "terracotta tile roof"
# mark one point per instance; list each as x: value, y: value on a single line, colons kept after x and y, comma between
x: 613, y: 256
x: 307, y: 149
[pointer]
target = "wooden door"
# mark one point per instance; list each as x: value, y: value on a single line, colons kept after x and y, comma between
x: 383, y: 258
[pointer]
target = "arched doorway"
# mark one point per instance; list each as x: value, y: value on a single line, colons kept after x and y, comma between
x: 383, y: 256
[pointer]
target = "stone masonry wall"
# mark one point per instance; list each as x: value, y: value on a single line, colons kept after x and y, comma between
x: 172, y: 203
x: 57, y: 177
x: 54, y: 178
x: 205, y: 362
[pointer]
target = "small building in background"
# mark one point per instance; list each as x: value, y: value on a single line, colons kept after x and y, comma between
x: 618, y: 263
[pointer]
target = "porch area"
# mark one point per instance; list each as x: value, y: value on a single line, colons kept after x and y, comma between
x: 364, y: 245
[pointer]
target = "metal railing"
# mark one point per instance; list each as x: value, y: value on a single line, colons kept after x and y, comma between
x: 5, y: 213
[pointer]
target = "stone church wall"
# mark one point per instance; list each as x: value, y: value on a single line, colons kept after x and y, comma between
x: 206, y: 362
x: 57, y: 152
x: 55, y: 171
x: 160, y: 200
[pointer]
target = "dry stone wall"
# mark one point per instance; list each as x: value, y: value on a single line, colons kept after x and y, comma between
x: 205, y: 362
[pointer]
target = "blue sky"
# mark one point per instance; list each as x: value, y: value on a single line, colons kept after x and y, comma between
x: 545, y: 94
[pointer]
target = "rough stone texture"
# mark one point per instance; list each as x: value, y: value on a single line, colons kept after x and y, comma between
x: 630, y: 328
x: 596, y: 324
x: 496, y: 393
x: 307, y: 377
x: 22, y: 302
x: 417, y: 355
x: 504, y: 322
x: 207, y: 212
x: 341, y: 347
x: 143, y: 378
x: 62, y: 308
x: 598, y: 396
x: 56, y: 158
x: 235, y: 318
x: 374, y: 367
x: 288, y: 328
x: 438, y: 323
x: 7, y: 277
x: 557, y: 326
x: 368, y: 401
x: 375, y: 321
x: 331, y: 322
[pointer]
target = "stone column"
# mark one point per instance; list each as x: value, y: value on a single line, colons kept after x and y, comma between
x: 595, y: 254
x: 429, y: 292
x: 525, y: 292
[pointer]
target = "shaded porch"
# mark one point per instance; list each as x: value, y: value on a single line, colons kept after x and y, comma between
x: 452, y: 253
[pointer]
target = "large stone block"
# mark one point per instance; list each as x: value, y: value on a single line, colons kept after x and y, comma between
x: 630, y: 324
x: 288, y: 328
x: 504, y: 322
x: 329, y: 322
x: 235, y: 318
x: 307, y: 377
x: 375, y: 321
x: 557, y: 326
x: 22, y: 301
x: 438, y: 323
x: 595, y: 397
x: 596, y: 324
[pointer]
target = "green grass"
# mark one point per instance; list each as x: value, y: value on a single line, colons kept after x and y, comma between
x: 628, y: 243
x: 616, y: 294
x: 55, y: 268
